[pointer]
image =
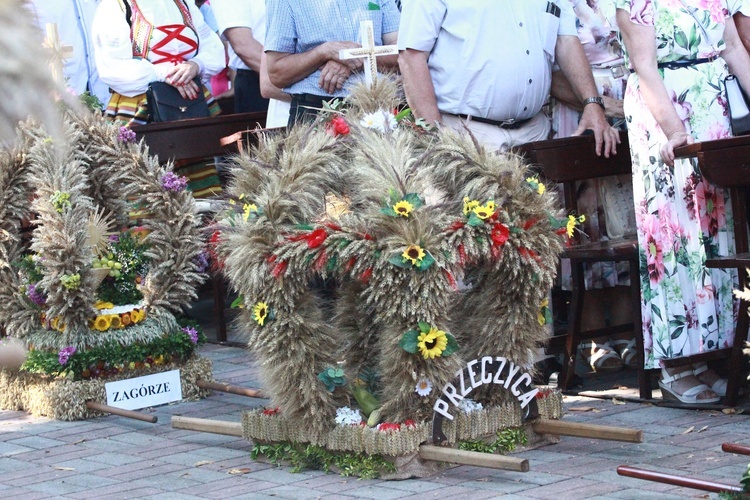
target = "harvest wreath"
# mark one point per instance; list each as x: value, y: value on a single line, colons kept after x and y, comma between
x: 442, y: 252
x: 89, y: 300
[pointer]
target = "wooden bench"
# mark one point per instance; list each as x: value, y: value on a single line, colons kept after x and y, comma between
x: 568, y: 161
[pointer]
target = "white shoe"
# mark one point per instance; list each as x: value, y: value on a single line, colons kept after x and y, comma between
x: 690, y: 396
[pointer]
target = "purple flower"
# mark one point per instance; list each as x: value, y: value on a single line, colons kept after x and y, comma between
x: 35, y: 295
x: 114, y: 238
x: 192, y: 333
x: 201, y: 261
x: 126, y: 135
x: 64, y: 355
x: 172, y: 182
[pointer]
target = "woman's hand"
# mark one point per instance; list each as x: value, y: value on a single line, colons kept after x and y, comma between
x: 675, y: 140
x: 181, y: 77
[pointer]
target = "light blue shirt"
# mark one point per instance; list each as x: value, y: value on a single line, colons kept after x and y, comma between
x: 297, y: 26
x: 488, y: 58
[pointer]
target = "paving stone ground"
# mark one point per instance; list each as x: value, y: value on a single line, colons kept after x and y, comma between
x: 113, y: 457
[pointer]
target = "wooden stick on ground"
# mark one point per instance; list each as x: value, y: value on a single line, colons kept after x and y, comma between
x: 92, y: 405
x: 451, y: 455
x: 740, y: 449
x: 685, y: 482
x: 591, y: 431
x: 207, y: 425
x: 233, y: 389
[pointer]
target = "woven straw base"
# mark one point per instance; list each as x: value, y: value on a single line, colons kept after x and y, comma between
x: 63, y: 399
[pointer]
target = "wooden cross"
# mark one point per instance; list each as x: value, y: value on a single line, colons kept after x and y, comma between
x: 369, y: 51
x: 58, y: 52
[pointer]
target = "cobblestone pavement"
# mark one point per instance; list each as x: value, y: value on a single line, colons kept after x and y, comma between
x: 113, y: 457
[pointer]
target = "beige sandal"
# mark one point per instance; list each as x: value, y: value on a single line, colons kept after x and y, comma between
x: 601, y: 358
x: 626, y: 350
x: 690, y: 395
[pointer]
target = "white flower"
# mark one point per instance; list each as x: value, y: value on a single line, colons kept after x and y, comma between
x: 381, y: 120
x: 469, y: 406
x: 348, y: 416
x: 424, y: 387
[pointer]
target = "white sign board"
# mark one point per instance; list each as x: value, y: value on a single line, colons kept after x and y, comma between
x: 142, y: 392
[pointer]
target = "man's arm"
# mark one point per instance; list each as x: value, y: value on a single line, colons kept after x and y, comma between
x: 574, y: 65
x: 420, y: 92
x: 268, y: 89
x: 391, y: 61
x: 245, y: 45
x: 563, y: 92
x: 285, y: 68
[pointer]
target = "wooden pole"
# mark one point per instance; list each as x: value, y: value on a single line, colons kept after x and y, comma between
x: 92, y: 405
x: 207, y: 425
x: 233, y: 389
x: 591, y: 431
x: 685, y: 482
x: 741, y: 449
x: 463, y: 457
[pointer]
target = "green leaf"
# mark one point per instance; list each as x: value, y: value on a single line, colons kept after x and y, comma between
x: 331, y: 372
x: 452, y: 345
x: 474, y: 220
x: 399, y: 261
x: 409, y: 341
x: 389, y: 211
x: 338, y: 372
x: 414, y: 199
x: 426, y: 262
x: 403, y: 114
x: 238, y: 303
x: 424, y: 327
x: 304, y: 227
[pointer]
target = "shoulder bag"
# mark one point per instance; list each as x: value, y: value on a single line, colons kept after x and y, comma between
x: 166, y: 104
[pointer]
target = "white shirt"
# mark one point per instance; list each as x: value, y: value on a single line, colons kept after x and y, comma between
x: 73, y: 19
x: 114, y: 49
x: 250, y: 14
x: 491, y: 59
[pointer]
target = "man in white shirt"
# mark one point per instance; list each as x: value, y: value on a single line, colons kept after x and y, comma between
x: 243, y: 24
x: 487, y: 66
x: 73, y: 19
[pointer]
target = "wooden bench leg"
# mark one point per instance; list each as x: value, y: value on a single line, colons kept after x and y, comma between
x: 736, y: 360
x: 572, y: 338
x: 217, y: 284
x: 644, y: 381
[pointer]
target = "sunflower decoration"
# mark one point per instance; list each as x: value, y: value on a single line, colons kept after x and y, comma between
x: 544, y: 316
x: 413, y: 257
x: 250, y: 210
x: 536, y: 184
x: 261, y: 312
x: 477, y: 212
x: 428, y: 341
x: 401, y: 206
x: 568, y: 225
x: 102, y: 323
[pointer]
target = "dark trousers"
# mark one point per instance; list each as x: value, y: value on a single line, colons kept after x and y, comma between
x: 247, y: 96
x: 305, y: 107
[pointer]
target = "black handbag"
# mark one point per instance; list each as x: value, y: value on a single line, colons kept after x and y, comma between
x: 166, y: 104
x: 739, y: 109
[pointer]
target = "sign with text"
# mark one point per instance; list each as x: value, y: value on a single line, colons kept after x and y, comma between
x: 142, y: 392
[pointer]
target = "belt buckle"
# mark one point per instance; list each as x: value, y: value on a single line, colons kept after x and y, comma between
x: 508, y: 123
x: 618, y: 71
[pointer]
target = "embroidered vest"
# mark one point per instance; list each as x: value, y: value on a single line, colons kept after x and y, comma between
x: 141, y: 30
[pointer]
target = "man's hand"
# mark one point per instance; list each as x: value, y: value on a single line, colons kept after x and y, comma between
x: 593, y: 118
x: 333, y: 48
x: 333, y: 75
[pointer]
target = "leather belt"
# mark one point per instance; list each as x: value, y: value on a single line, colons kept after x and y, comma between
x: 506, y: 124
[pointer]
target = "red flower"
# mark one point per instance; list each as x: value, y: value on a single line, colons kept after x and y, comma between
x: 389, y: 426
x: 529, y: 224
x: 500, y: 234
x: 410, y: 423
x: 456, y: 225
x: 337, y: 126
x: 316, y: 238
x: 279, y: 269
x: 213, y: 243
x: 271, y: 411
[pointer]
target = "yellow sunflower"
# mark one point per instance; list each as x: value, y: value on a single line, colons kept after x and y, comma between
x: 403, y: 208
x: 103, y: 305
x: 432, y: 344
x: 102, y: 323
x: 260, y: 312
x: 469, y: 205
x: 115, y: 321
x: 125, y: 319
x: 572, y: 222
x: 247, y: 209
x: 137, y: 315
x: 57, y: 324
x: 540, y: 314
x: 485, y: 211
x: 414, y: 254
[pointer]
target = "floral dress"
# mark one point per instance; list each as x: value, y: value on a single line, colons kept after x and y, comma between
x: 682, y: 219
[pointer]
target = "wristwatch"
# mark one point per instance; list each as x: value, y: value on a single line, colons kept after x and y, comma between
x: 594, y: 100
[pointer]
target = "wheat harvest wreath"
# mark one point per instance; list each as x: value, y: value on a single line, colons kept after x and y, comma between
x: 90, y: 297
x: 438, y: 252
